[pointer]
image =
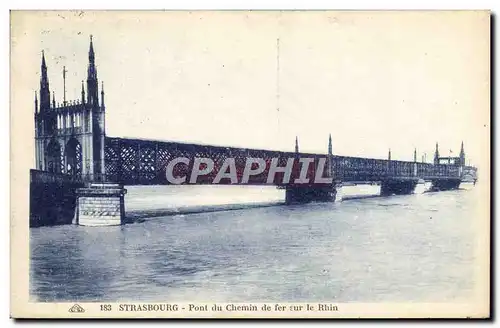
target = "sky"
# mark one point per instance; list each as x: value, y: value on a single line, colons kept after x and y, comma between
x: 374, y: 80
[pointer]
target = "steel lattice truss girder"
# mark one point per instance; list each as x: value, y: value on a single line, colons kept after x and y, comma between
x: 140, y: 162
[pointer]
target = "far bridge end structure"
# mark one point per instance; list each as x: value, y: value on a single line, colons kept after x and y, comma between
x: 83, y: 172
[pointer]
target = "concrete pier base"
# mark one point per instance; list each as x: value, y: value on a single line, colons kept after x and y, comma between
x: 100, y: 204
x: 445, y: 184
x: 397, y: 186
x: 299, y: 194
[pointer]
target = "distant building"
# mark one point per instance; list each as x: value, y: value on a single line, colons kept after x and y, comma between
x: 458, y: 160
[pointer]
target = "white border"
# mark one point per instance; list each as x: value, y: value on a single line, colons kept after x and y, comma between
x: 186, y: 4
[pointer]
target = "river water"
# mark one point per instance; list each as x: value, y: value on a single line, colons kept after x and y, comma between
x: 402, y: 248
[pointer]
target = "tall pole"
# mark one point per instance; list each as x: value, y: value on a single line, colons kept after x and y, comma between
x: 64, y: 85
x: 278, y: 79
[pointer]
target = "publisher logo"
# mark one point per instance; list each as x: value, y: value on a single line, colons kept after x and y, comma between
x: 76, y: 309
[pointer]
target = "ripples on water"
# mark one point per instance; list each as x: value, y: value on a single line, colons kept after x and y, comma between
x: 401, y: 248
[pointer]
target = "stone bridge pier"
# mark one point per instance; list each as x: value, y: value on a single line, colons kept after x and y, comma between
x: 398, y: 186
x: 100, y: 204
x: 299, y: 194
x: 445, y: 184
x: 305, y: 193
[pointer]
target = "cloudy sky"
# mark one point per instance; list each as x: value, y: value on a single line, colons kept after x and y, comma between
x: 373, y: 80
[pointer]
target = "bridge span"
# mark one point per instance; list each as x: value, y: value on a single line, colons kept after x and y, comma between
x: 144, y: 162
x: 72, y: 146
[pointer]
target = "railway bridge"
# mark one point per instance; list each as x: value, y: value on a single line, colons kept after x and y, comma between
x: 73, y: 151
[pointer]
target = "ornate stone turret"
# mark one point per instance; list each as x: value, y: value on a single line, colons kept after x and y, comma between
x: 44, y: 86
x: 330, y: 157
x: 92, y: 86
x: 436, y: 154
x: 462, y: 155
x: 330, y: 152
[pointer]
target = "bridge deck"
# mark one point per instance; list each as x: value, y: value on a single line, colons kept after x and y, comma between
x: 140, y: 162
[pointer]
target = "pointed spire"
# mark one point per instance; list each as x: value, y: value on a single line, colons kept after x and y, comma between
x: 296, y: 144
x: 330, y: 144
x: 44, y: 86
x: 43, y: 59
x: 91, y: 50
x: 436, y: 154
x: 415, y: 155
x: 462, y: 154
x: 389, y: 155
x: 92, y: 86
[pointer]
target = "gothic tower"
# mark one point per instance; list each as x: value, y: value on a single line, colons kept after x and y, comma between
x: 98, y: 124
x: 46, y: 153
x: 70, y: 137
